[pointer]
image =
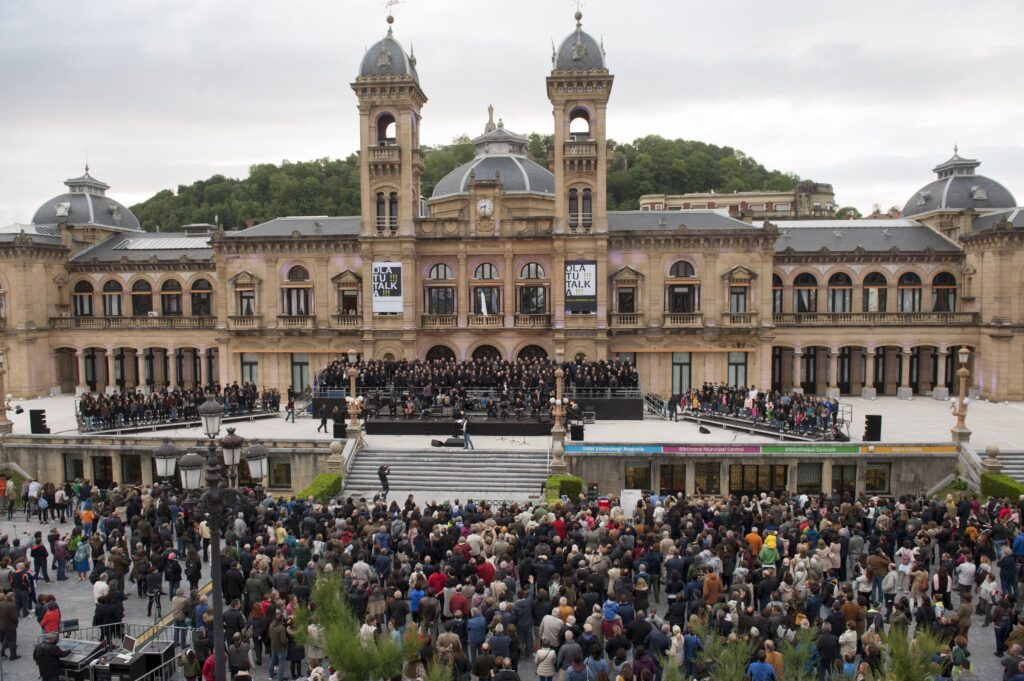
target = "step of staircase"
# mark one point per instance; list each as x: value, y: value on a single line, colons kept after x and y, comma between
x: 1013, y: 464
x: 491, y: 474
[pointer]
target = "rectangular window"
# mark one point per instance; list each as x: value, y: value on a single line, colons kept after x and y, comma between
x: 844, y: 478
x: 840, y: 300
x: 874, y: 299
x: 102, y: 471
x: 808, y: 478
x: 805, y: 300
x: 626, y: 357
x: 83, y: 304
x: 170, y: 304
x: 441, y: 300
x: 707, y: 477
x: 683, y: 298
x: 300, y: 371
x: 111, y: 304
x: 737, y: 369
x: 776, y: 301
x: 908, y: 299
x: 142, y: 304
x: 349, y: 303
x: 246, y: 302
x: 250, y: 368
x: 280, y: 472
x: 876, y: 478
x: 202, y: 304
x: 532, y: 300
x: 487, y: 300
x: 737, y: 299
x: 626, y: 299
x: 296, y: 302
x: 131, y: 470
x: 680, y: 372
x: 672, y: 478
x: 943, y: 299
x: 638, y: 476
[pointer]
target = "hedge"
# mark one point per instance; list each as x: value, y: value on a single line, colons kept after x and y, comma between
x: 558, y: 486
x: 323, y: 488
x: 999, y: 485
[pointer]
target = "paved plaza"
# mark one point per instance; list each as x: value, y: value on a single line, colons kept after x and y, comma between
x: 921, y: 419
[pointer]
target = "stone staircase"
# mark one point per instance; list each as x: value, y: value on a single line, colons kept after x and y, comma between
x: 445, y: 474
x: 1013, y: 463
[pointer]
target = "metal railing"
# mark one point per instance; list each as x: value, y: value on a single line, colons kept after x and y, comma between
x: 394, y: 392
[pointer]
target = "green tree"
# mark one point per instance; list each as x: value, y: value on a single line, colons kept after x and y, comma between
x: 848, y: 213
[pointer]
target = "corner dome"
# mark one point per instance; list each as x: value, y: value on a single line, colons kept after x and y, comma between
x: 579, y: 51
x: 500, y: 155
x: 959, y: 188
x: 387, y: 58
x: 86, y: 203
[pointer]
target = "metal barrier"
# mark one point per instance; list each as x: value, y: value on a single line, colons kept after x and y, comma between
x: 393, y: 392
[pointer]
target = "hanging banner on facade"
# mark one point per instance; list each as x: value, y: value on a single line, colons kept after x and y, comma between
x: 387, y: 286
x: 581, y: 286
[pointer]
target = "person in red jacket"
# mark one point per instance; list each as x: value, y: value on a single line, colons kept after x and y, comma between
x: 208, y: 669
x: 51, y: 618
x: 437, y: 580
x: 484, y: 570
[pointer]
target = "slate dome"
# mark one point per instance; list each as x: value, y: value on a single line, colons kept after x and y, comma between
x: 86, y: 203
x: 388, y: 58
x: 958, y: 188
x: 579, y: 51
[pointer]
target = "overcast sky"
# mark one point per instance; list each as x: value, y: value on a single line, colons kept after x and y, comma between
x: 867, y: 95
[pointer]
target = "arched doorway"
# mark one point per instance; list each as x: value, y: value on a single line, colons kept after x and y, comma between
x: 486, y: 353
x: 440, y: 352
x: 533, y: 352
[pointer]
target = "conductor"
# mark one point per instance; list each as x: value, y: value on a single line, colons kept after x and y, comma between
x: 382, y: 473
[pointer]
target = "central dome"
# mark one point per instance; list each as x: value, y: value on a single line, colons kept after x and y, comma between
x: 86, y: 203
x: 500, y: 155
x: 958, y: 188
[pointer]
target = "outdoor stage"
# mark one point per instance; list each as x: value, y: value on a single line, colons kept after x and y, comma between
x: 446, y: 427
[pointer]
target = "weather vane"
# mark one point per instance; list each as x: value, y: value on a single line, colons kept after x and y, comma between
x: 390, y: 5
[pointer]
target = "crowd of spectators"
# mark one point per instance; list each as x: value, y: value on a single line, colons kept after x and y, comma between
x: 137, y: 408
x: 579, y: 588
x: 780, y: 411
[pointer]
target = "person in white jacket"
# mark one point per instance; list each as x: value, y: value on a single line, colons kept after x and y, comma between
x: 987, y: 594
x: 965, y: 577
x: 890, y: 585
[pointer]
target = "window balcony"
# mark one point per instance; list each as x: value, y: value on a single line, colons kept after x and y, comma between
x: 683, y: 320
x: 580, y: 321
x: 580, y: 149
x: 346, y: 321
x: 439, y: 321
x: 876, y: 319
x: 491, y: 321
x: 627, y: 320
x: 245, y: 321
x: 386, y: 154
x: 739, y: 319
x: 132, y: 322
x: 533, y: 321
x: 296, y: 322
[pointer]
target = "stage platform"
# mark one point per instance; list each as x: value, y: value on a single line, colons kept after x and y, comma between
x: 444, y: 426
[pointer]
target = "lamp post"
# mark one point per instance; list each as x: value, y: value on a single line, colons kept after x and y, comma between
x: 232, y: 445
x: 258, y: 458
x: 5, y: 423
x: 558, y: 465
x: 961, y: 433
x: 355, y: 404
x: 166, y: 458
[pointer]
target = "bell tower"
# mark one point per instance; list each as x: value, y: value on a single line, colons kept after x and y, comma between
x: 390, y: 161
x: 579, y: 87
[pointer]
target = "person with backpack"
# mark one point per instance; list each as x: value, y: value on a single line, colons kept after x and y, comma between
x: 22, y: 584
x: 39, y: 556
x: 172, y: 573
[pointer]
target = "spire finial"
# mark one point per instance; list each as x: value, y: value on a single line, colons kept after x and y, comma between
x: 490, y: 119
x: 956, y: 149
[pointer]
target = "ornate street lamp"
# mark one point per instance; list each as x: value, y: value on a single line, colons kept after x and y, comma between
x: 211, y: 412
x: 166, y: 458
x: 355, y: 404
x: 232, y: 445
x: 191, y: 469
x: 258, y: 458
x: 961, y: 433
x: 558, y: 465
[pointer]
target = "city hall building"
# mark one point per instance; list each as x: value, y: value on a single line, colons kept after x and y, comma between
x: 508, y: 258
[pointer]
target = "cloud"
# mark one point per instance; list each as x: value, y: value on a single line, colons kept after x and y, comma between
x: 867, y: 96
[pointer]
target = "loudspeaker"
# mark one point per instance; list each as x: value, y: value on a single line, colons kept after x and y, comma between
x: 703, y: 431
x: 872, y: 427
x: 576, y: 432
x: 339, y: 430
x: 37, y: 421
x: 455, y: 442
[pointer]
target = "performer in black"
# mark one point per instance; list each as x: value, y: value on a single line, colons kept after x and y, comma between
x: 382, y: 473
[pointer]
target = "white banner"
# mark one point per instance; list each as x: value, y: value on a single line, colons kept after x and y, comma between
x: 387, y: 286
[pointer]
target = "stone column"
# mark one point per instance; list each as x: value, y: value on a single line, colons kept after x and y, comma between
x: 172, y: 368
x: 147, y: 469
x: 5, y: 423
x: 826, y: 476
x: 869, y: 392
x: 116, y: 467
x: 111, y: 384
x: 463, y: 305
x: 691, y: 483
x: 856, y: 375
x: 82, y: 387
x: 904, y: 391
x: 140, y: 369
x: 508, y: 286
x: 201, y: 375
x: 797, y: 365
x: 833, y: 375
x: 941, y: 390
x: 723, y: 477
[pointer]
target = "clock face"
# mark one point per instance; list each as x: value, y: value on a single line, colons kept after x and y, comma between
x: 484, y: 206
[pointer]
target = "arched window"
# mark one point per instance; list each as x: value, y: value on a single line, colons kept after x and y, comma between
x: 393, y: 211
x: 485, y: 271
x: 486, y: 353
x: 142, y: 298
x: 112, y: 299
x: 777, y: 290
x: 202, y: 298
x: 386, y: 130
x: 805, y: 293
x: 440, y: 271
x: 574, y: 209
x: 579, y: 125
x: 588, y: 215
x: 170, y: 298
x: 382, y: 212
x: 908, y: 293
x: 441, y: 353
x: 532, y: 270
x: 83, y: 299
x: 840, y: 293
x: 531, y: 352
x: 944, y: 292
x: 297, y: 293
x: 875, y: 292
x: 681, y: 269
